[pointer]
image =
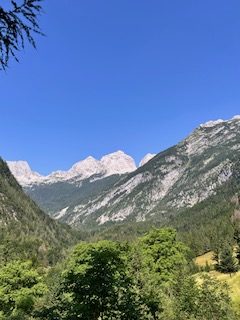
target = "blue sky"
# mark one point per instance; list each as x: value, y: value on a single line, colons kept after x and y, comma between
x: 131, y: 75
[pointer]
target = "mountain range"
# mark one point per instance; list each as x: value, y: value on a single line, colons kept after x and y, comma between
x: 111, y: 164
x: 100, y: 192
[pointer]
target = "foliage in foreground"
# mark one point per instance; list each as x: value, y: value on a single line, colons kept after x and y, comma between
x: 20, y: 286
x: 147, y: 280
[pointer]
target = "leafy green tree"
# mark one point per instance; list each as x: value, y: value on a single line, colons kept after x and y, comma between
x: 95, y: 285
x: 148, y: 280
x: 20, y: 286
x: 17, y: 24
x: 156, y: 260
x: 163, y: 254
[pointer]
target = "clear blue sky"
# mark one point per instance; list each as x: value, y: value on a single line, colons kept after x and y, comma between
x: 134, y: 75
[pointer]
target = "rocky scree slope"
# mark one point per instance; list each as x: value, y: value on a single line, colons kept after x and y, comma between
x: 176, y: 178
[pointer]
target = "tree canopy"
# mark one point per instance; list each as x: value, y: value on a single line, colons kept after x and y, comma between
x: 20, y: 285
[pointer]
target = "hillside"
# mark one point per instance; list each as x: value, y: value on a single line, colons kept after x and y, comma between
x: 175, y: 179
x: 178, y: 178
x: 25, y: 229
x: 202, y: 227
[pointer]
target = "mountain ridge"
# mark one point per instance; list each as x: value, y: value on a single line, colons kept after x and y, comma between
x: 176, y: 178
x: 114, y: 163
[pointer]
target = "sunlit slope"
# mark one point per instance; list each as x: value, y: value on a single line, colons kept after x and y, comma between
x: 22, y: 221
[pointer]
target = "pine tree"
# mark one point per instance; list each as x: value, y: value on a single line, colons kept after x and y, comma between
x: 216, y: 257
x: 227, y: 262
x: 237, y: 239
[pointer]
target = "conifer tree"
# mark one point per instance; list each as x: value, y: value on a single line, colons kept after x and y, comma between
x: 18, y: 23
x: 227, y: 262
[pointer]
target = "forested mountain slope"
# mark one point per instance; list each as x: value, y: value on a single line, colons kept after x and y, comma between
x: 24, y: 228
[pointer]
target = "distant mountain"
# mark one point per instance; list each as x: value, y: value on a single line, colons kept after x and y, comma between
x: 23, y: 225
x: 82, y: 183
x: 165, y: 184
x: 23, y: 173
x: 111, y: 164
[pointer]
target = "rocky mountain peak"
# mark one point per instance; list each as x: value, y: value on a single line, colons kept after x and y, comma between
x: 214, y: 123
x: 110, y: 164
x: 117, y: 163
x: 147, y: 158
x: 20, y: 167
x: 86, y: 167
x: 23, y: 172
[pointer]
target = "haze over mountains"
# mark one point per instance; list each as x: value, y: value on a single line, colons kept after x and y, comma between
x: 113, y: 189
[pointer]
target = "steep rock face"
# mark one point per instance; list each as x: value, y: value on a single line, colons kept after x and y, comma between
x: 60, y: 198
x: 23, y: 173
x: 174, y: 179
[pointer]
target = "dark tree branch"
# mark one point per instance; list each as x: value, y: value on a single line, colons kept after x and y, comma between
x: 17, y: 25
